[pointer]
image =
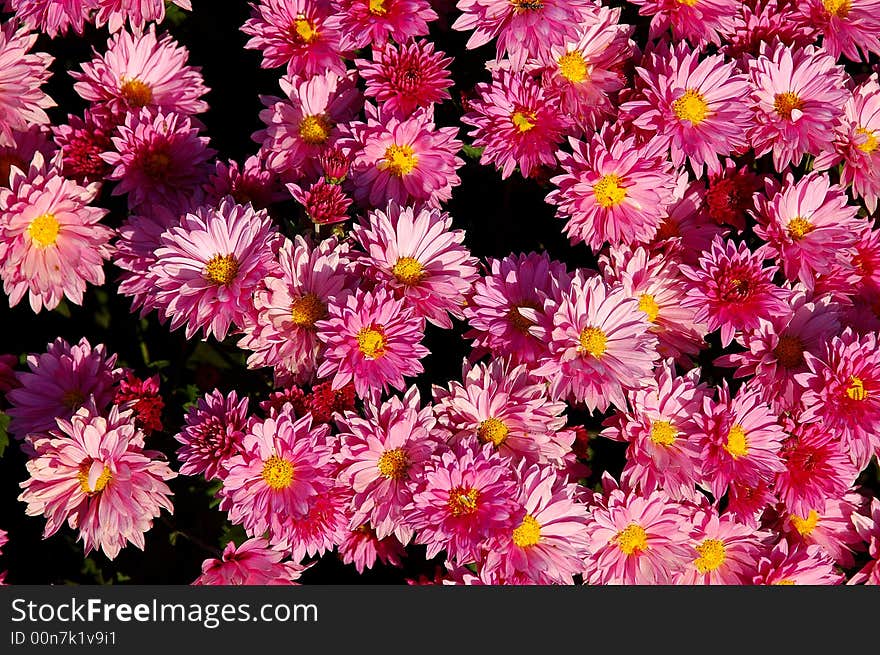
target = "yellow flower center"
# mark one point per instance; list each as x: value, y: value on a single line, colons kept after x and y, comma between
x: 315, y: 130
x: 737, y: 444
x: 632, y: 539
x: 377, y: 7
x: 688, y: 3
x: 711, y: 555
x: 805, y: 526
x: 663, y: 433
x: 786, y: 582
x: 517, y: 320
x: 608, y: 191
x: 303, y: 30
x: 494, y: 430
x: 277, y: 472
x: 100, y: 483
x: 528, y: 533
x: 593, y: 341
x: 691, y: 106
x: 463, y: 502
x: 521, y: 6
x: 524, y: 121
x: 648, y: 305
x: 856, y: 389
x: 785, y: 103
x: 305, y: 311
x: 870, y: 143
x: 789, y: 351
x: 393, y: 464
x: 409, y: 271
x: 136, y: 93
x: 838, y: 8
x: 400, y: 160
x: 43, y: 230
x: 573, y: 67
x: 221, y: 269
x: 799, y: 227
x: 371, y: 342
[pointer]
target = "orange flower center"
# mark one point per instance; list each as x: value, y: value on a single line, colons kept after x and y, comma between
x: 136, y: 93
x: 100, y: 483
x: 632, y: 539
x: 305, y: 311
x: 371, y: 342
x: 463, y: 501
x: 393, y: 464
x: 400, y: 160
x: 315, y: 130
x: 799, y: 227
x: 785, y: 103
x: 408, y: 271
x: 494, y: 430
x: 593, y: 341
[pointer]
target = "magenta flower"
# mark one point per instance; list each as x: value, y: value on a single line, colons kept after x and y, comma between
x: 722, y: 551
x: 848, y: 27
x: 212, y: 434
x: 833, y: 527
x: 699, y: 21
x: 361, y: 548
x: 53, y: 17
x: 796, y: 565
x: 251, y: 183
x: 82, y: 142
x: 115, y: 13
x: 22, y: 73
x: 255, y: 562
x: 378, y: 22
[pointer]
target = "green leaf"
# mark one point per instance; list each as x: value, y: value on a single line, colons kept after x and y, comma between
x: 471, y: 152
x: 174, y: 14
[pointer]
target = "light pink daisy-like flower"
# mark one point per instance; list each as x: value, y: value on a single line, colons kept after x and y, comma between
x: 208, y: 267
x: 142, y: 71
x: 322, y: 528
x: 699, y: 21
x: 807, y: 224
x: 722, y: 551
x: 94, y: 474
x: 51, y: 241
x: 848, y: 27
x: 160, y: 159
x: 529, y: 282
x: 419, y: 257
x: 600, y: 345
x: 466, y: 496
x: 635, y: 539
x: 740, y: 440
x: 372, y: 339
x: 300, y: 126
x: 255, y: 562
x: 53, y: 17
x: 361, y: 548
x: 284, y: 464
x: 383, y: 454
x: 376, y: 22
x: 550, y: 544
x: 82, y: 142
x: 22, y: 73
x: 60, y: 381
x: 295, y: 34
x: 406, y: 77
x: 281, y: 332
x: 730, y: 289
x: 21, y: 153
x: 612, y: 190
x: 514, y: 123
x: 507, y: 407
x: 251, y: 183
x: 796, y: 565
x: 694, y: 105
x: 408, y: 161
x: 523, y: 28
x: 842, y: 391
x: 868, y: 528
x: 796, y: 97
x: 831, y: 527
x: 212, y: 434
x: 114, y: 13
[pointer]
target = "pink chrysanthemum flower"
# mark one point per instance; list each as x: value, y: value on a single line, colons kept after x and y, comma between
x: 300, y: 126
x: 22, y: 73
x: 284, y: 464
x: 868, y: 528
x: 699, y: 21
x: 322, y: 528
x: 60, y: 381
x: 764, y: 22
x: 847, y: 27
x: 635, y: 539
x: 797, y: 95
x: 361, y: 548
x: 21, y: 153
x: 466, y: 496
x: 114, y: 13
x: 208, y: 267
x: 600, y: 345
x: 740, y: 440
x: 514, y: 123
x: 747, y: 504
x: 51, y: 240
x: 550, y: 544
x: 376, y: 22
x: 408, y: 161
x: 528, y: 282
x: 160, y: 159
x: 730, y: 289
x: 507, y: 407
x: 295, y: 34
x: 373, y: 339
x: 212, y: 434
x: 730, y: 195
x: 406, y: 77
x: 796, y: 565
x: 281, y: 332
x: 807, y: 224
x: 842, y: 391
x: 523, y: 28
x: 419, y: 257
x: 251, y: 183
x: 693, y: 104
x: 252, y: 563
x: 94, y: 474
x: 53, y: 17
x: 82, y: 142
x: 722, y: 551
x: 325, y: 203
x: 143, y: 398
x: 612, y: 190
x: 831, y: 527
x: 383, y: 454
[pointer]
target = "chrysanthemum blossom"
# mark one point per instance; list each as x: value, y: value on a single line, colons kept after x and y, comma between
x: 722, y: 551
x: 143, y: 398
x: 848, y: 27
x: 324, y: 203
x: 52, y: 243
x: 251, y: 183
x: 142, y: 71
x: 22, y: 74
x: 600, y: 345
x: 730, y: 195
x: 323, y: 527
x: 418, y: 255
x: 82, y: 142
x: 796, y: 565
x: 831, y: 526
x: 212, y: 434
x: 699, y: 21
x: 767, y: 22
x: 514, y: 123
x: 94, y: 474
x: 362, y: 548
x: 796, y: 97
x: 376, y: 22
x: 22, y: 150
x: 731, y: 289
x: 52, y: 17
x: 115, y: 13
x: 208, y: 267
x: 373, y: 339
x: 868, y: 527
x: 255, y: 562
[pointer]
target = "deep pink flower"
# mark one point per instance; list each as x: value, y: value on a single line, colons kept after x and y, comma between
x: 21, y: 152
x: 699, y: 21
x: 143, y: 398
x: 848, y: 27
x: 53, y: 17
x: 722, y: 551
x: 868, y: 528
x: 115, y: 13
x: 251, y: 183
x: 212, y: 434
x: 831, y: 526
x: 255, y: 562
x: 796, y: 565
x: 362, y: 548
x: 82, y: 142
x: 376, y: 22
x: 324, y: 203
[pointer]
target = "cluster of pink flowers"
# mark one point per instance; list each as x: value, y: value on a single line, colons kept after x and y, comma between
x: 723, y: 174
